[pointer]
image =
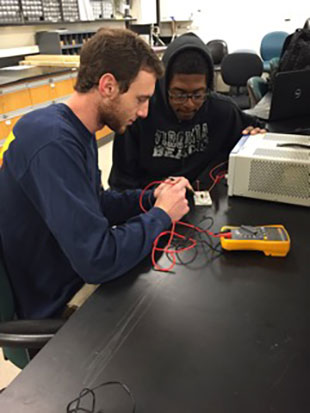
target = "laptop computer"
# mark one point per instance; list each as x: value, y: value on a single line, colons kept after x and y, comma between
x: 290, y: 97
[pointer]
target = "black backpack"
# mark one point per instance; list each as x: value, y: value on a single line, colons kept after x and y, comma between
x: 295, y: 54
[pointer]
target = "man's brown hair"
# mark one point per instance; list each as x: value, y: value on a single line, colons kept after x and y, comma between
x: 120, y: 52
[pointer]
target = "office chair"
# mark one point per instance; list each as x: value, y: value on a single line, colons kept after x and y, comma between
x: 271, y: 46
x: 218, y: 49
x: 236, y: 69
x: 20, y: 339
x: 257, y: 87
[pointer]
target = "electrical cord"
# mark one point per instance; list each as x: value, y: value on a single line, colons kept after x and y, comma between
x: 75, y: 405
x: 203, y: 239
x: 189, y: 243
x: 169, y: 249
x: 218, y: 177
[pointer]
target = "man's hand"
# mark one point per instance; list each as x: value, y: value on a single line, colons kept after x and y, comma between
x: 170, y: 197
x: 250, y: 130
x: 170, y: 181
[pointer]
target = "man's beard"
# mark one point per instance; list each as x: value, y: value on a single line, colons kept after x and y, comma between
x: 110, y: 116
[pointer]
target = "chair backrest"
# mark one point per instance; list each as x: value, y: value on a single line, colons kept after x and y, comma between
x: 218, y: 49
x: 18, y: 356
x: 257, y: 88
x: 237, y: 68
x: 271, y: 44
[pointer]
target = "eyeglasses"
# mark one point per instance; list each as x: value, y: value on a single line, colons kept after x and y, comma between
x: 180, y: 97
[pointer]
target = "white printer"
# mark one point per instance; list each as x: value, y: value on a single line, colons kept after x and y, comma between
x: 271, y: 166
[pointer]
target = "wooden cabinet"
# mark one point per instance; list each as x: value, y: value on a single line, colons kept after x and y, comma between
x: 7, y: 125
x: 64, y: 87
x: 102, y: 133
x: 14, y: 98
x: 1, y: 104
x: 17, y: 100
x: 43, y: 91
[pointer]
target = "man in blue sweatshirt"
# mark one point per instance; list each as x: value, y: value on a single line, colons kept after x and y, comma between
x: 189, y: 128
x: 59, y: 229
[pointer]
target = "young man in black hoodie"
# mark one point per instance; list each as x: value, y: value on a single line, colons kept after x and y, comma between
x: 189, y: 128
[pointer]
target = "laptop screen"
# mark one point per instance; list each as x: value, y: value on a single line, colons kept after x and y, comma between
x: 291, y: 95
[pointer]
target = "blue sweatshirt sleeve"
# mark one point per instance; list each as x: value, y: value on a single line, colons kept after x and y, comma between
x: 119, y: 207
x: 70, y: 205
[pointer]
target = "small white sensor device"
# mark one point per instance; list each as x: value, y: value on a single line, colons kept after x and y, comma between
x: 202, y: 198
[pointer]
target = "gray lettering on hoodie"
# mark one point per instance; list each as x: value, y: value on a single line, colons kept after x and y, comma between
x: 181, y: 144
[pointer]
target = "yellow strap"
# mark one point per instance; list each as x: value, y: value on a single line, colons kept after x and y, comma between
x: 6, y: 144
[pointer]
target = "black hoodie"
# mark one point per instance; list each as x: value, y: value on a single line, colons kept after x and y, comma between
x: 161, y: 145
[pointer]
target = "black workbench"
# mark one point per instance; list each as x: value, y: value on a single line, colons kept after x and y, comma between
x: 221, y: 335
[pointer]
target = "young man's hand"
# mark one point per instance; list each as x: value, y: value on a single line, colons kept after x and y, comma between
x: 170, y: 196
x: 250, y: 130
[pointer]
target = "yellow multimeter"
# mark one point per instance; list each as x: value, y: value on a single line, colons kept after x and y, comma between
x: 271, y: 239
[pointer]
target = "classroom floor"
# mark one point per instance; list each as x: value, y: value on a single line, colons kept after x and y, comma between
x: 7, y: 370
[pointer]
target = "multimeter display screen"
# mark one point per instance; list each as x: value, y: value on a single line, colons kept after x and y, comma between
x: 276, y: 234
x: 246, y: 232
